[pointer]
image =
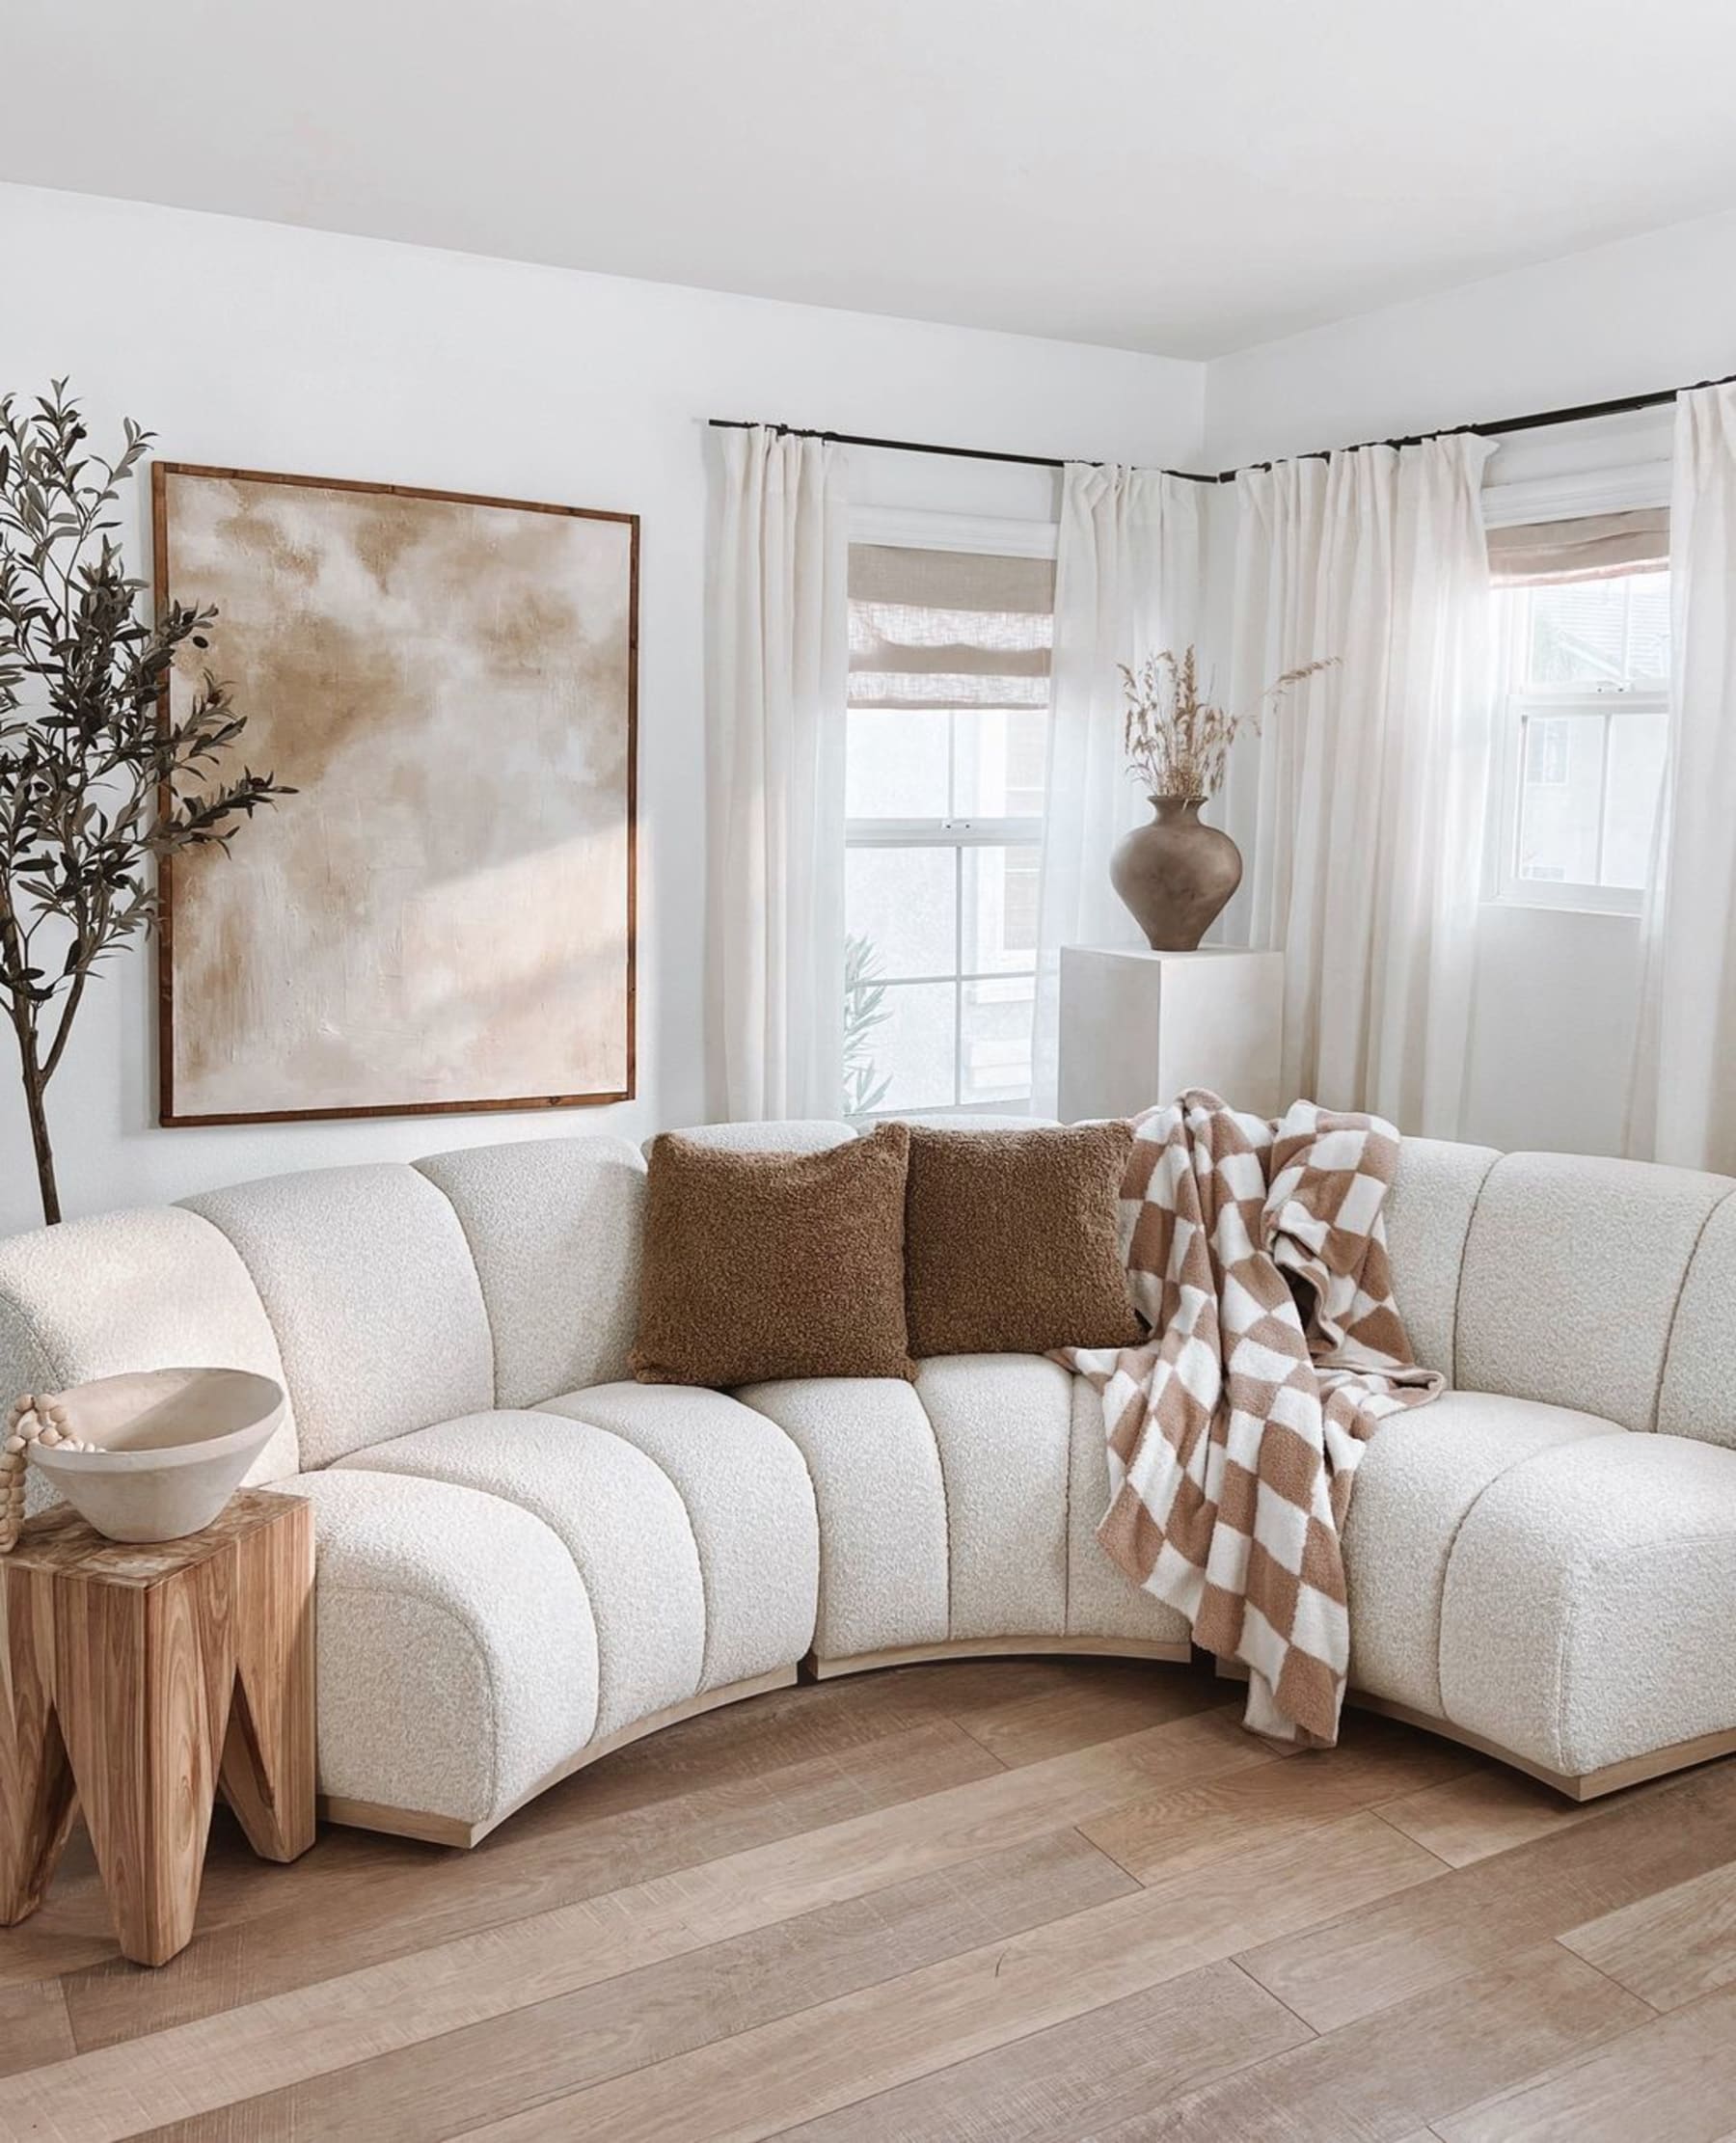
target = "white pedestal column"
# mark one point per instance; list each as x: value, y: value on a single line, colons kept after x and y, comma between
x: 1141, y: 1027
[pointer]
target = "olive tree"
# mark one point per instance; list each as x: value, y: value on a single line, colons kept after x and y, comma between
x: 98, y: 779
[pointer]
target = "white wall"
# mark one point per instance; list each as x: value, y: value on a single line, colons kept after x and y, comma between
x: 1557, y: 993
x: 1657, y: 310
x: 269, y: 347
x: 261, y: 346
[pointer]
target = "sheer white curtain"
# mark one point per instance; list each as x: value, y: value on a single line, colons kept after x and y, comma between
x: 1368, y: 859
x: 1683, y: 1106
x: 778, y: 657
x: 1126, y: 584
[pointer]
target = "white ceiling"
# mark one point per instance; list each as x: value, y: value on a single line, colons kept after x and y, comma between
x: 1177, y: 175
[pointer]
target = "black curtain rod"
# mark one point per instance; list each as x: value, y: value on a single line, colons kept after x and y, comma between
x: 1621, y: 405
x: 923, y: 447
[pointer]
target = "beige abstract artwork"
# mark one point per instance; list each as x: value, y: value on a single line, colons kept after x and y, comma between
x: 441, y: 917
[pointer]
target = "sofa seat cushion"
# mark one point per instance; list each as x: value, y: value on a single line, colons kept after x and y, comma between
x: 749, y: 1504
x: 881, y: 1497
x: 456, y: 1656
x: 963, y: 1507
x: 1003, y: 1424
x: 1421, y: 1475
x: 618, y: 1516
x: 1590, y: 1603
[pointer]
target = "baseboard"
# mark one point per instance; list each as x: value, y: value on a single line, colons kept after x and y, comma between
x: 439, y: 1830
x: 995, y: 1647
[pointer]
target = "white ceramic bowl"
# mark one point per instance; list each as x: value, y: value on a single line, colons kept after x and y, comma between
x: 173, y: 1446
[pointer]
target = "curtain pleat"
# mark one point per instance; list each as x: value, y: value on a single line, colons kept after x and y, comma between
x: 1682, y: 1105
x: 1368, y: 858
x: 1126, y: 586
x: 777, y: 661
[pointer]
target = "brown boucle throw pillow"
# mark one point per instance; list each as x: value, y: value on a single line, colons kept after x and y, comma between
x: 1012, y: 1240
x: 762, y: 1266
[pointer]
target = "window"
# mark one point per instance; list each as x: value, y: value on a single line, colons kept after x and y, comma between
x: 1586, y: 678
x: 946, y: 756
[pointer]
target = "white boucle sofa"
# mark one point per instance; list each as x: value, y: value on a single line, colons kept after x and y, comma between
x: 525, y: 1558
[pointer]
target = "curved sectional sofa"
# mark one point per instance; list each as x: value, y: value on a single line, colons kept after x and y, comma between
x: 526, y: 1560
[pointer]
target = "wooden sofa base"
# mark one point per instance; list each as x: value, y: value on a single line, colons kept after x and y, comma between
x: 437, y: 1830
x: 996, y: 1648
x: 1584, y: 1785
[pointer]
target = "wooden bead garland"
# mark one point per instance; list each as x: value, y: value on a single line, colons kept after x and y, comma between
x: 32, y: 1420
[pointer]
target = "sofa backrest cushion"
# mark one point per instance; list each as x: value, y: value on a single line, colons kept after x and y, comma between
x: 1428, y: 1217
x: 372, y: 1291
x: 554, y: 1226
x: 1573, y: 1270
x: 1698, y: 1398
x: 157, y: 1288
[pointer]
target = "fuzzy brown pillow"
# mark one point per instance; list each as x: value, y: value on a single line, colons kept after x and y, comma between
x: 1010, y: 1241
x: 761, y: 1265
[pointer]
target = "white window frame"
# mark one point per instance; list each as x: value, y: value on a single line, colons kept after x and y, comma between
x: 956, y: 835
x: 913, y: 529
x: 1564, y: 494
x: 1518, y: 703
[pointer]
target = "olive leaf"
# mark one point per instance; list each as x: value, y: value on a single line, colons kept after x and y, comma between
x: 98, y: 779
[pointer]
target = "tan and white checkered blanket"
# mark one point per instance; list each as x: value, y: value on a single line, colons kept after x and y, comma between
x: 1257, y: 1257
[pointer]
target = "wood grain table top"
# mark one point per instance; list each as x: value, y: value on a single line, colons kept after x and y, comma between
x: 60, y: 1543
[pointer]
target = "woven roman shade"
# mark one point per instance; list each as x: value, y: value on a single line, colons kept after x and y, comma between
x: 1593, y: 548
x: 949, y: 628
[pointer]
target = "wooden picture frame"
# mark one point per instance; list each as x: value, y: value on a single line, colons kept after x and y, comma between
x: 185, y: 1100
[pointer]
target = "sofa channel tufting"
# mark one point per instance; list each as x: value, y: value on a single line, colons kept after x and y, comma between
x: 525, y: 1558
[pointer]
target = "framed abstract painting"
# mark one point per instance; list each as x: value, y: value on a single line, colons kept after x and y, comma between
x: 441, y: 917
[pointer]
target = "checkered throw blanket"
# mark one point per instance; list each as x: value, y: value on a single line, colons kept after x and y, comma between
x: 1257, y: 1257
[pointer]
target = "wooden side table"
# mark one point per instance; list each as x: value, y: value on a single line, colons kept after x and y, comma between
x: 137, y: 1681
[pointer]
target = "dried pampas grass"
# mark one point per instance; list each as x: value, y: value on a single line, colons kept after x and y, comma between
x: 1178, y: 742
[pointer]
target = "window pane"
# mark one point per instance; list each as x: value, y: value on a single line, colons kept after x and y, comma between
x: 912, y: 1051
x: 1561, y: 798
x: 995, y: 1044
x: 895, y: 765
x: 1636, y: 747
x: 999, y: 762
x: 1648, y: 628
x: 1000, y: 908
x: 904, y: 902
x: 1601, y: 632
x: 1579, y: 632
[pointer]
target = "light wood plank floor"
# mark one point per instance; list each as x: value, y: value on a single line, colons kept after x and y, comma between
x: 985, y: 1901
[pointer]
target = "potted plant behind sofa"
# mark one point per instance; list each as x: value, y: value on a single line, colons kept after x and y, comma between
x: 95, y: 780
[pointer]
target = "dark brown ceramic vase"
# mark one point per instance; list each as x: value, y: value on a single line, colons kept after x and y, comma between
x: 1174, y: 875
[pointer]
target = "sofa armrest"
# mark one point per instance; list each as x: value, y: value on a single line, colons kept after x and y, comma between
x: 457, y: 1657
